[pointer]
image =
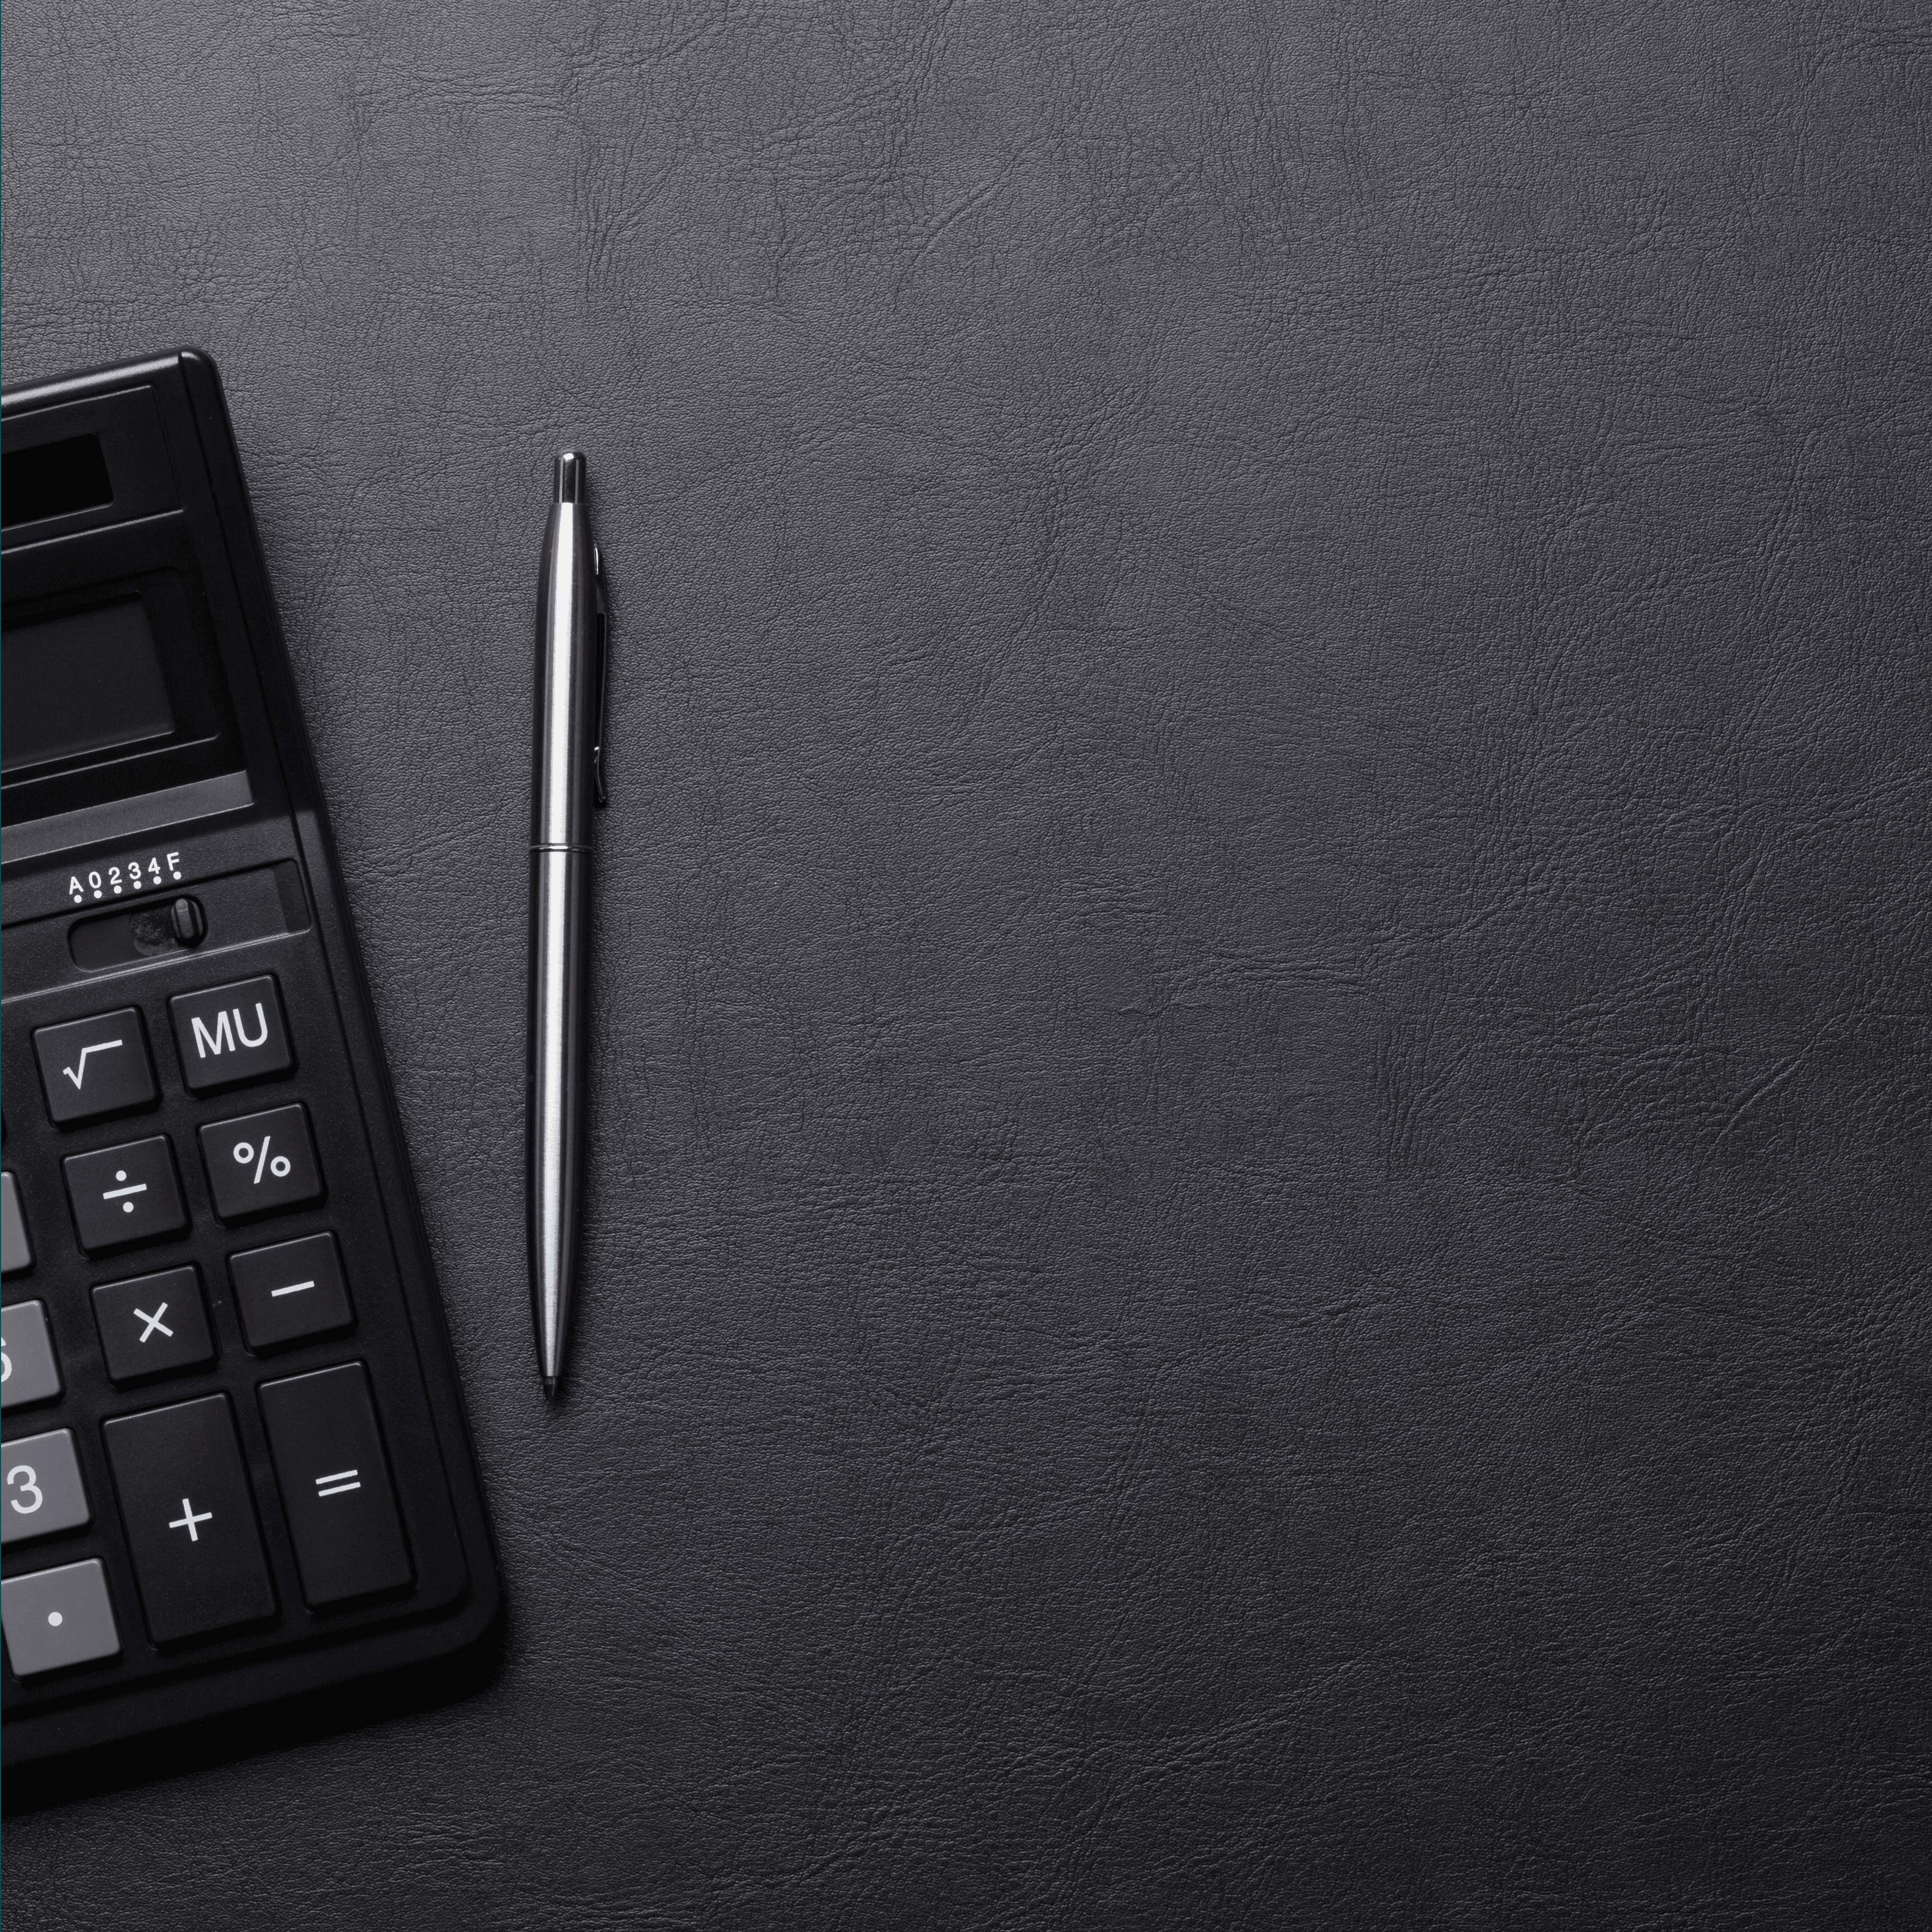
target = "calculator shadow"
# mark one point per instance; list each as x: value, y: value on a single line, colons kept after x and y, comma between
x: 208, y: 1741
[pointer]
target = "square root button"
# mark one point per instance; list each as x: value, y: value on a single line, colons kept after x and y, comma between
x: 261, y: 1163
x: 96, y: 1066
x: 230, y: 1035
x: 57, y: 1617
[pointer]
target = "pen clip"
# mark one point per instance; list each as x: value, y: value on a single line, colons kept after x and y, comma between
x: 603, y: 678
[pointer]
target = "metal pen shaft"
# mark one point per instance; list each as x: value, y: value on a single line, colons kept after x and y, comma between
x: 568, y: 695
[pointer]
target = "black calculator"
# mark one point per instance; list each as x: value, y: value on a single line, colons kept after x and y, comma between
x: 236, y: 1467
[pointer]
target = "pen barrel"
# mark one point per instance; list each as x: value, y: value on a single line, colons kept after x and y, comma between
x: 560, y: 996
x: 567, y: 691
x: 569, y: 687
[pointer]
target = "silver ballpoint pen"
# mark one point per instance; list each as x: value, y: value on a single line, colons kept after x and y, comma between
x: 573, y: 649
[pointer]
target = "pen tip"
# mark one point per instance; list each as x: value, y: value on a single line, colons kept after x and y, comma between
x: 551, y: 1385
x: 570, y: 477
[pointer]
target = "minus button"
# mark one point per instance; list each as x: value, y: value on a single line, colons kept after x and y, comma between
x: 291, y: 1293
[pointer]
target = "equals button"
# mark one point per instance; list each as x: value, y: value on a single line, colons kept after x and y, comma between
x: 334, y: 1481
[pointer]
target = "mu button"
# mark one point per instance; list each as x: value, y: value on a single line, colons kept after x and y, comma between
x: 261, y: 1163
x: 230, y: 1035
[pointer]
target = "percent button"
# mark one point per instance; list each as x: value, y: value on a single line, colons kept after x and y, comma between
x: 261, y: 1163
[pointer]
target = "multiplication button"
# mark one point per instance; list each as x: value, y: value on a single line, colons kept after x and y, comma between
x: 155, y: 1325
x: 261, y: 1163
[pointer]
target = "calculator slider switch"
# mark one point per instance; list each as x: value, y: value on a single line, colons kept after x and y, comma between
x: 187, y: 921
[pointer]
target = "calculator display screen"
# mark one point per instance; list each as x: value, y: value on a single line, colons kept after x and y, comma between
x: 88, y: 680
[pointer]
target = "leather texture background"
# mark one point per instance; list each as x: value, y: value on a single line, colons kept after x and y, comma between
x: 1259, y: 1242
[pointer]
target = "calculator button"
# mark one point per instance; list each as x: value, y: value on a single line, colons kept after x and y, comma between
x: 92, y: 1067
x: 16, y: 1252
x: 261, y: 1163
x: 44, y: 1494
x: 124, y: 1194
x: 57, y: 1617
x: 155, y: 1325
x: 288, y: 1293
x: 28, y: 1373
x: 191, y: 1518
x: 335, y: 1485
x: 230, y: 1035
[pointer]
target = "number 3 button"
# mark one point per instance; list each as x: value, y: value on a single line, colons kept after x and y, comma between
x: 44, y: 1488
x: 261, y: 1163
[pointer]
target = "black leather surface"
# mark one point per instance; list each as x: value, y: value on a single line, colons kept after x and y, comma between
x: 1259, y: 1247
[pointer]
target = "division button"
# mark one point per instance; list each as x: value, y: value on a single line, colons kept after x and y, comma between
x: 57, y: 1617
x: 261, y: 1163
x: 44, y: 1494
x: 155, y: 1325
x: 335, y: 1485
x: 190, y: 1520
x: 92, y: 1067
x: 230, y: 1035
x: 28, y: 1373
x: 291, y: 1291
x: 124, y: 1194
x: 16, y: 1252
